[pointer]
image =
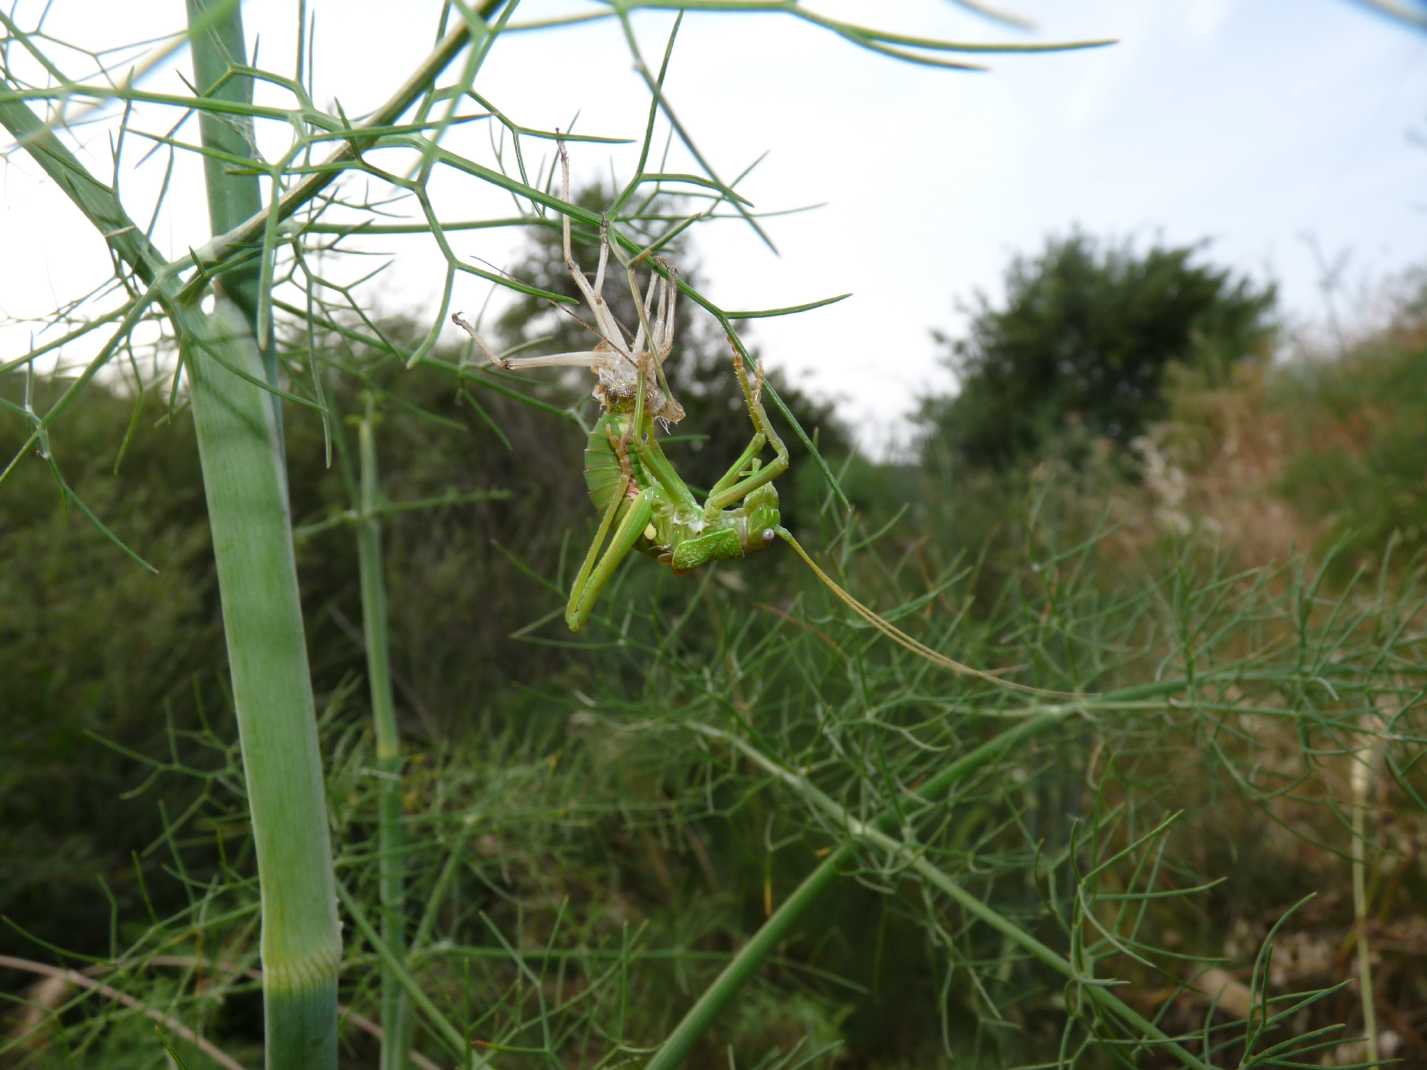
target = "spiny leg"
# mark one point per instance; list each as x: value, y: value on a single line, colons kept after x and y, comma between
x: 725, y: 493
x: 657, y: 466
x: 749, y: 456
x: 643, y: 464
x: 597, y: 544
x: 638, y: 439
x: 597, y: 570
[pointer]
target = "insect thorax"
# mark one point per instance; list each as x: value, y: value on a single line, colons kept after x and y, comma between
x: 730, y: 533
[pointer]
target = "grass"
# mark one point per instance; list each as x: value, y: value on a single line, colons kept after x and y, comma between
x: 600, y: 845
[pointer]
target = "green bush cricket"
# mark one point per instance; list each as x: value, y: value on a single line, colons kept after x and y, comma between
x: 644, y: 504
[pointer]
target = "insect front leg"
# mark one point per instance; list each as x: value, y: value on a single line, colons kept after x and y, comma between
x: 747, y: 462
x: 730, y: 488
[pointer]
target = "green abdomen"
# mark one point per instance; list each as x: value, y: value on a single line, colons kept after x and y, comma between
x: 603, y: 476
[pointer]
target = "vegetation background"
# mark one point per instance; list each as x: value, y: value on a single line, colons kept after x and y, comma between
x: 1145, y: 488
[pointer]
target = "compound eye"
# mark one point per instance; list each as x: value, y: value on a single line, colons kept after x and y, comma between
x: 768, y: 535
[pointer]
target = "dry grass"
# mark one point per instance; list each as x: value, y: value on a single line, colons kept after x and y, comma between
x: 1212, y: 468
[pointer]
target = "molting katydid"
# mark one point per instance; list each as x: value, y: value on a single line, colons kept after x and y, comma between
x: 643, y: 502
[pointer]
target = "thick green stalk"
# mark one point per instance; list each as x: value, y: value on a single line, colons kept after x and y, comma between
x: 395, y: 1024
x: 246, y: 491
x: 218, y: 46
x: 240, y: 444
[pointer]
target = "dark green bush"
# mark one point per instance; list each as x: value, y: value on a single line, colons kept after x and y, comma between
x: 1081, y: 340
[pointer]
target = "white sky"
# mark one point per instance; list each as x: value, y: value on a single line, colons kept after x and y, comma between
x: 1254, y: 123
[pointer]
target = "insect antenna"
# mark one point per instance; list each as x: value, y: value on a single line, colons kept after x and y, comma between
x: 904, y: 640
